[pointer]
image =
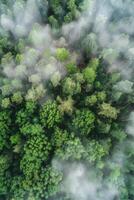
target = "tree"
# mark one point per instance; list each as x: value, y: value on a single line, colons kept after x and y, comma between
x: 16, y: 84
x: 5, y: 103
x: 17, y: 191
x: 31, y: 130
x: 83, y: 122
x: 16, y: 142
x: 35, y: 93
x: 35, y: 79
x: 30, y: 106
x: 89, y: 75
x: 71, y: 150
x: 56, y: 6
x: 25, y: 115
x: 90, y: 100
x: 7, y: 59
x: 66, y: 106
x: 110, y: 55
x: 17, y: 97
x: 68, y: 17
x: 94, y: 63
x: 5, y: 176
x: 6, y: 89
x: 55, y: 79
x: 89, y: 44
x: 118, y: 133
x: 71, y: 5
x: 70, y: 87
x: 115, y: 77
x: 62, y: 54
x: 59, y: 138
x: 50, y: 115
x: 52, y: 180
x: 101, y: 96
x: 53, y: 21
x: 36, y: 151
x: 124, y: 86
x: 103, y: 127
x: 21, y: 45
x: 78, y: 77
x: 5, y: 123
x: 108, y: 111
x: 95, y: 152
x: 71, y: 68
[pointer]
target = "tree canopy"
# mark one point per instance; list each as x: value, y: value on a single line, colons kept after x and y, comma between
x: 65, y: 99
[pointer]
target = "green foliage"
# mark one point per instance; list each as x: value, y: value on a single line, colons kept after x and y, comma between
x: 124, y: 86
x: 103, y: 127
x: 45, y: 185
x: 83, y: 122
x: 89, y: 44
x: 17, y: 98
x: 70, y: 87
x: 59, y: 138
x: 101, y: 96
x: 31, y: 130
x: 108, y: 111
x: 95, y: 151
x: 53, y: 21
x: 68, y: 17
x: 90, y: 100
x: 17, y: 190
x: 4, y: 174
x: 15, y: 139
x: 52, y: 180
x: 36, y: 150
x: 89, y: 75
x: 50, y: 115
x: 35, y: 93
x: 5, y: 123
x: 5, y: 103
x: 6, y: 89
x: 55, y: 79
x: 71, y: 150
x: 110, y: 55
x: 66, y: 106
x: 118, y: 133
x: 30, y: 106
x: 62, y: 54
x: 71, y: 68
x: 85, y: 119
x: 62, y: 12
x: 23, y: 116
x: 7, y: 59
x: 115, y: 77
x: 94, y: 63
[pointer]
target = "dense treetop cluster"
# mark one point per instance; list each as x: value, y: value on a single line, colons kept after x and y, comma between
x: 60, y: 103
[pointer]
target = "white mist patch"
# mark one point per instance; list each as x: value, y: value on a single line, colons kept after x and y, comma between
x: 6, y: 22
x: 41, y: 37
x: 124, y: 86
x: 36, y: 62
x: 130, y: 127
x: 115, y: 36
x: 80, y: 182
x: 74, y: 30
x: 78, y: 185
x: 21, y: 17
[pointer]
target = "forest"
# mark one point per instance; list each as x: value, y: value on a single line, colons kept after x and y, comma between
x: 66, y: 100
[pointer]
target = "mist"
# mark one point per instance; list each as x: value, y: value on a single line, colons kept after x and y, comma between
x: 117, y: 38
x: 114, y: 44
x: 112, y: 23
